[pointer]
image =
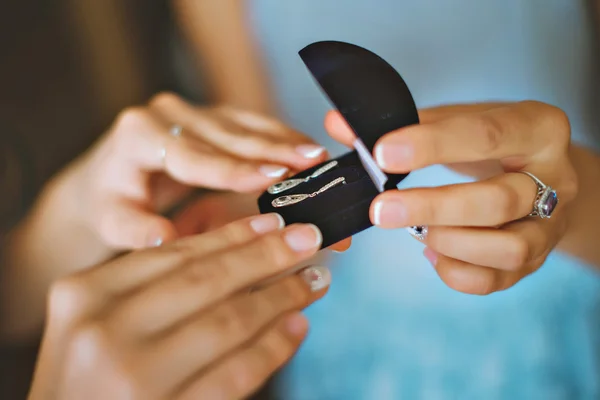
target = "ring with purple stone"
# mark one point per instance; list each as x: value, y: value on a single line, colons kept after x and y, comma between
x: 419, y: 232
x: 545, y: 201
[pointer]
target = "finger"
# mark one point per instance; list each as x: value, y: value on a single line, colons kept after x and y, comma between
x: 201, y: 341
x: 138, y: 269
x: 140, y: 138
x: 242, y: 373
x: 523, y: 131
x: 491, y: 202
x: 241, y: 134
x: 261, y: 123
x: 143, y: 139
x: 510, y: 248
x: 194, y: 163
x: 338, y: 128
x: 469, y: 278
x: 200, y: 284
x: 342, y: 246
x: 128, y: 225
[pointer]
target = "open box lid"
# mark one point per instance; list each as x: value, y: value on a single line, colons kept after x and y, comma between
x: 368, y: 92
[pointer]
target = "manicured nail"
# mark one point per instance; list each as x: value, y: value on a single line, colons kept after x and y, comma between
x: 267, y: 223
x: 430, y: 255
x: 305, y: 237
x: 389, y: 213
x: 318, y: 278
x: 296, y: 325
x: 392, y: 154
x: 273, y: 171
x: 419, y: 232
x: 310, y: 150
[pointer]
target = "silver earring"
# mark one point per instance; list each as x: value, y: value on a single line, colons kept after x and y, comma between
x: 419, y: 232
x: 290, y: 183
x: 284, y: 201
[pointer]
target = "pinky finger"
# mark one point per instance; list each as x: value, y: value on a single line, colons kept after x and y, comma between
x: 246, y: 371
x: 470, y: 278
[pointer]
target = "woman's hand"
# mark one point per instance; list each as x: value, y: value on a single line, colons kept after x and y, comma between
x: 479, y: 236
x: 152, y: 157
x: 192, y: 319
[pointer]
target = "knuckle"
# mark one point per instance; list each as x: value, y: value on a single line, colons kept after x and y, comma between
x: 92, y: 340
x: 164, y: 99
x: 517, y: 254
x: 291, y: 293
x: 272, y: 251
x: 68, y: 299
x: 570, y: 185
x: 131, y: 118
x: 559, y: 124
x: 502, y: 202
x: 232, y: 321
x: 491, y: 130
x: 245, y: 375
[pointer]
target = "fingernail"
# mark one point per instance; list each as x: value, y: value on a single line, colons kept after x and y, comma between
x: 304, y: 237
x: 273, y: 171
x: 310, y: 150
x: 318, y: 278
x: 296, y: 324
x: 430, y: 255
x: 419, y: 232
x: 390, y: 154
x: 267, y: 223
x: 389, y: 213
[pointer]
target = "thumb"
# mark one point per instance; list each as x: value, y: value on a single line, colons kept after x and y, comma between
x: 125, y: 225
x: 338, y: 128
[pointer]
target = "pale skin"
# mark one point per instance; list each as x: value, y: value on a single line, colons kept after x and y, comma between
x: 186, y: 320
x: 574, y: 227
x: 110, y: 199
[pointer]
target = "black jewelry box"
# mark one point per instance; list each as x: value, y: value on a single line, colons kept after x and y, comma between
x: 374, y: 100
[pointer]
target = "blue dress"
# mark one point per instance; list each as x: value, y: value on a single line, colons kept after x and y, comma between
x: 389, y: 328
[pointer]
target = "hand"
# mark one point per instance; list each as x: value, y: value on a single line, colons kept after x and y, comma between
x: 138, y: 169
x: 194, y: 318
x: 479, y: 236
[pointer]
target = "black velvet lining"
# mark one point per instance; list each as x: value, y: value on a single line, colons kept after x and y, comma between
x: 339, y: 212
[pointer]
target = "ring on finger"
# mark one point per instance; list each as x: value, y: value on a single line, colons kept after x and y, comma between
x: 546, y: 198
x: 175, y: 131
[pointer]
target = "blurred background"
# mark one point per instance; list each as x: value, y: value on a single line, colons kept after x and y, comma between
x: 68, y: 67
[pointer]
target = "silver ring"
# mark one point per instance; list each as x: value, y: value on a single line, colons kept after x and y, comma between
x: 419, y: 232
x: 175, y: 131
x: 546, y: 198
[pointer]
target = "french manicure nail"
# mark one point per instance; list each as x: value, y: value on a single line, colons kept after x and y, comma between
x: 389, y: 213
x: 267, y: 223
x: 431, y: 256
x: 303, y: 237
x: 273, y: 171
x: 318, y: 278
x: 310, y: 150
x: 392, y: 154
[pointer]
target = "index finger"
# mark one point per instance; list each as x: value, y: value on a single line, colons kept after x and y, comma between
x: 141, y: 267
x: 522, y: 132
x: 338, y: 128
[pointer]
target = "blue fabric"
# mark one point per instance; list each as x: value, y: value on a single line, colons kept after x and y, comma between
x: 389, y: 328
